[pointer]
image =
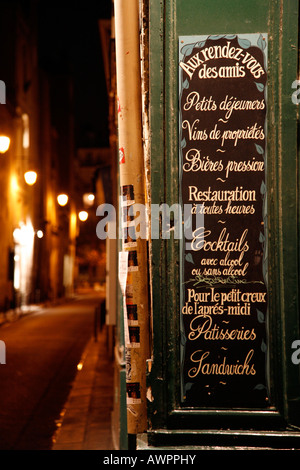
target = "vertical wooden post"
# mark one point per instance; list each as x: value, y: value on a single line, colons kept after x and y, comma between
x: 132, y: 191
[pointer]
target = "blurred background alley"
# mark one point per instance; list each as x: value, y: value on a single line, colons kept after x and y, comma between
x: 149, y: 214
x: 53, y: 174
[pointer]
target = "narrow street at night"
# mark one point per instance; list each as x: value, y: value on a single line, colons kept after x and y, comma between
x: 43, y: 349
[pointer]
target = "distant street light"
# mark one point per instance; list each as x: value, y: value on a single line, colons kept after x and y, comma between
x: 4, y: 143
x: 62, y: 199
x: 30, y: 177
x: 83, y: 215
x: 40, y: 233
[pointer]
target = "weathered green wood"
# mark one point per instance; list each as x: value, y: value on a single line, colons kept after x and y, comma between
x: 157, y: 408
x: 288, y: 206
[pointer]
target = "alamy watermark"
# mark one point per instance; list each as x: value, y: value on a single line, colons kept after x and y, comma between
x: 296, y: 344
x: 164, y: 221
x: 296, y: 354
x: 2, y: 92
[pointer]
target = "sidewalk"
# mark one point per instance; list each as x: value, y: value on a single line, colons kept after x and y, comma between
x: 15, y: 314
x: 85, y: 422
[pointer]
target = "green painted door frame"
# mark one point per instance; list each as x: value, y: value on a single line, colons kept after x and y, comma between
x: 169, y: 422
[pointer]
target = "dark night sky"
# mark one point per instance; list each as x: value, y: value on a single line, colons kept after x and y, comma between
x: 69, y: 41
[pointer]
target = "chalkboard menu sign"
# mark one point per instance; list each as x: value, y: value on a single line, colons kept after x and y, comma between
x: 224, y: 279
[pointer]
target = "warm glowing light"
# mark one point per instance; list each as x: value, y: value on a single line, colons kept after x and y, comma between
x: 4, y: 143
x: 17, y: 235
x: 79, y: 366
x: 73, y: 224
x: 14, y: 186
x: 24, y: 242
x: 25, y: 119
x: 83, y: 215
x: 62, y: 199
x: 30, y: 177
x: 40, y: 233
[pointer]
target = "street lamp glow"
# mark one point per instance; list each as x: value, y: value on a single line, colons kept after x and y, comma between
x: 30, y: 177
x: 62, y: 199
x: 83, y: 215
x: 88, y: 199
x: 40, y: 233
x: 4, y: 143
